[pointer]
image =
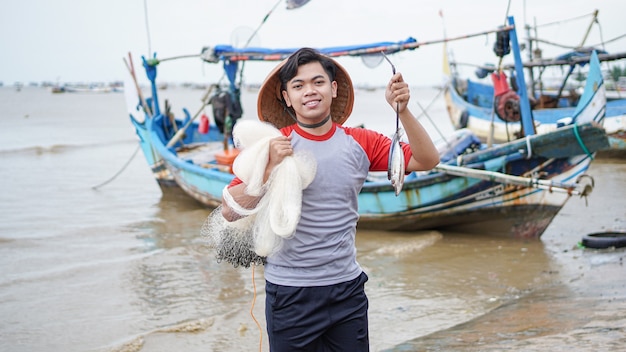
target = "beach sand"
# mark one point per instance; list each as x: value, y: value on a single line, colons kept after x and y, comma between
x: 582, y: 307
x: 583, y: 311
x: 577, y: 304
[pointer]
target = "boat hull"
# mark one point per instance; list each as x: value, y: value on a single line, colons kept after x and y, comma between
x: 535, y: 176
x: 479, y: 119
x: 472, y: 205
x: 433, y: 200
x: 519, y: 221
x: 472, y: 109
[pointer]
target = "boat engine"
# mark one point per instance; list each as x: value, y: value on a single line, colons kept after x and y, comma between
x: 506, y: 101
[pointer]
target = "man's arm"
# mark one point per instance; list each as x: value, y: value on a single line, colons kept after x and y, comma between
x: 280, y: 147
x: 425, y: 154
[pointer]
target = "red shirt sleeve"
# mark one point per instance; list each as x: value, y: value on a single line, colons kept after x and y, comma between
x: 376, y: 146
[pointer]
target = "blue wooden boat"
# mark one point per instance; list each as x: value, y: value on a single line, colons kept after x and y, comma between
x: 514, y: 189
x: 470, y: 102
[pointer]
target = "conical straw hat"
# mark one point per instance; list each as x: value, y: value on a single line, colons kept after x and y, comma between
x: 271, y: 107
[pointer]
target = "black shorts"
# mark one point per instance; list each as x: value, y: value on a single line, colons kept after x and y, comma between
x: 319, y: 318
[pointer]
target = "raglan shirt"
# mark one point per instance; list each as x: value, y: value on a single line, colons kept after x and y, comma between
x: 322, y: 251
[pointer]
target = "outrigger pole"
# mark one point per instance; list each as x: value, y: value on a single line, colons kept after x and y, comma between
x: 499, y: 177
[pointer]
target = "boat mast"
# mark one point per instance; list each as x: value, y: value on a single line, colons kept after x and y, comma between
x: 527, y: 119
x: 531, y: 73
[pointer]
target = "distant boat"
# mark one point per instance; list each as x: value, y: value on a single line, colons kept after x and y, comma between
x: 57, y: 89
x: 87, y: 89
x: 113, y: 87
x: 470, y: 105
x: 513, y: 189
x: 470, y: 102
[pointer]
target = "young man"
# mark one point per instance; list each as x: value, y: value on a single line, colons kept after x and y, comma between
x: 315, y: 298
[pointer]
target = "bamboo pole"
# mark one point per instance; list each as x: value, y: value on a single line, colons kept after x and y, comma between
x: 494, y: 176
x: 131, y: 68
x: 182, y: 130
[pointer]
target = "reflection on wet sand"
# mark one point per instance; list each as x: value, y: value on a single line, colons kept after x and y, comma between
x: 419, y: 283
x: 580, y: 305
x: 425, y: 282
x: 181, y: 289
x: 584, y: 314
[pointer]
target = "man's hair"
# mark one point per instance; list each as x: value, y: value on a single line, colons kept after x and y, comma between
x: 302, y: 57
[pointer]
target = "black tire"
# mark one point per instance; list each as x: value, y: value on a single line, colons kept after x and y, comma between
x: 600, y: 240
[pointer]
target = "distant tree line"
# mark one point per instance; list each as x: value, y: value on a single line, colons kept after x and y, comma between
x: 616, y: 72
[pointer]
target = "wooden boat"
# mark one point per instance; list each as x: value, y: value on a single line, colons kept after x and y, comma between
x: 470, y: 102
x: 470, y: 105
x: 513, y: 189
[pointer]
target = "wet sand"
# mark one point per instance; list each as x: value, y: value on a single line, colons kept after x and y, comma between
x: 124, y: 268
x: 581, y: 311
x: 583, y: 305
x: 546, y: 295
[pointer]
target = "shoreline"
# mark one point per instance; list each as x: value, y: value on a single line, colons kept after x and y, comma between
x: 581, y: 311
x: 580, y: 308
x: 574, y: 303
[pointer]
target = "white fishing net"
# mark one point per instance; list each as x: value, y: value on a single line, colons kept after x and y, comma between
x: 263, y: 226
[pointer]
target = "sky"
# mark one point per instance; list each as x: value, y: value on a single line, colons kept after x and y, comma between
x: 86, y: 40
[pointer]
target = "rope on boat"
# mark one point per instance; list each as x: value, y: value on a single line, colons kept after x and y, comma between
x: 393, y: 48
x: 581, y: 143
x: 529, y: 148
x: 120, y: 171
x: 565, y: 20
x: 145, y: 14
x: 425, y: 113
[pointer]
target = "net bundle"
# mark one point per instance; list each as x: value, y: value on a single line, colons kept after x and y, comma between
x: 262, y: 227
x: 233, y: 241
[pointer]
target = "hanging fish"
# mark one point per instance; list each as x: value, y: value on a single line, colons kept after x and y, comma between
x: 396, y: 164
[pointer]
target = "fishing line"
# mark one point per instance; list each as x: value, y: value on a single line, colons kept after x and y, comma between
x: 252, y: 312
x: 120, y: 171
x: 393, y: 72
x: 146, y: 108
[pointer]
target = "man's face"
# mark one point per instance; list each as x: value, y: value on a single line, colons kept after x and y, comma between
x: 310, y: 93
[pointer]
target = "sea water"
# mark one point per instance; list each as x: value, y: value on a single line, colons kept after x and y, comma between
x: 95, y: 258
